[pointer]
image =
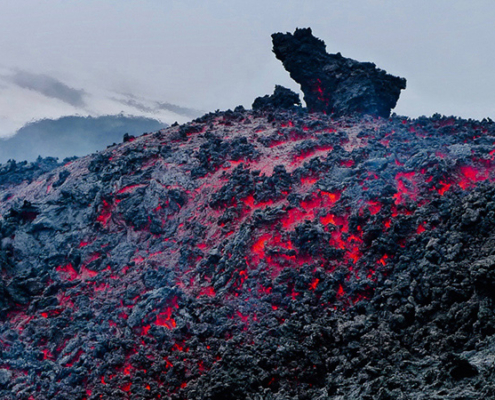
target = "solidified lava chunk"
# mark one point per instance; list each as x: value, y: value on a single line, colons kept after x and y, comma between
x: 332, y: 83
x: 281, y: 98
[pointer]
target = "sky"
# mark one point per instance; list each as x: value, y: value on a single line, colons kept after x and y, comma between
x: 173, y: 60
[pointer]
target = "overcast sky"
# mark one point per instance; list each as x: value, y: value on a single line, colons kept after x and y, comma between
x: 94, y: 57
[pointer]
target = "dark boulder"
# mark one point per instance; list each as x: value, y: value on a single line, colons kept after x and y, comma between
x: 281, y: 98
x: 332, y: 83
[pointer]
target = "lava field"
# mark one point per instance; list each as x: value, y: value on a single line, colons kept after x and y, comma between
x: 255, y: 254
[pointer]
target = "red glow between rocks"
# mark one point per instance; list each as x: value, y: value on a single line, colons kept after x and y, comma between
x: 76, y: 358
x: 444, y: 187
x: 106, y: 213
x: 165, y: 318
x: 87, y: 273
x: 354, y: 254
x: 305, y: 154
x: 374, y: 207
x: 92, y: 258
x: 47, y: 355
x: 420, y: 229
x: 314, y: 284
x: 202, y: 246
x: 330, y: 198
x: 67, y: 272
x: 101, y: 287
x: 328, y: 219
x: 406, y: 187
x: 126, y: 387
x: 318, y: 89
x: 383, y: 260
x: 336, y: 240
x: 470, y: 175
x: 234, y: 164
x: 258, y: 247
x: 309, y: 180
x: 347, y: 163
x: 251, y: 203
x: 167, y: 362
x: 146, y: 329
x: 244, y: 318
x: 292, y: 217
x: 138, y: 259
x: 207, y: 291
x: 310, y: 205
x: 264, y: 290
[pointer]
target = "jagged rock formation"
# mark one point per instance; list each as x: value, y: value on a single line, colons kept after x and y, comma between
x: 334, y: 84
x: 252, y: 255
x: 282, y: 98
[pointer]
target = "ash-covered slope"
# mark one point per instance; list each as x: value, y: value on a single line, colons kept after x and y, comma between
x: 256, y: 255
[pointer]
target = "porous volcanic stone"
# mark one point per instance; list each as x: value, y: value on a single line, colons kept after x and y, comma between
x: 281, y: 98
x: 332, y: 83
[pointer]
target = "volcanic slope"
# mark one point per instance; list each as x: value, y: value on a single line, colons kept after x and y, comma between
x: 256, y: 255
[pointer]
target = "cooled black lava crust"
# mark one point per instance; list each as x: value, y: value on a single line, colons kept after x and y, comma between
x: 256, y: 255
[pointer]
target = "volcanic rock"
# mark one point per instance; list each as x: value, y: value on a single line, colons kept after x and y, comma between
x: 5, y: 376
x: 332, y: 83
x: 255, y: 254
x: 282, y: 98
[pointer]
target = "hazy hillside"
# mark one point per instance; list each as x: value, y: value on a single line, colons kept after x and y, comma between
x: 72, y: 136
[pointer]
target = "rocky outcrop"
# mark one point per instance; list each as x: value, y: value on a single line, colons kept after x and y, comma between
x: 282, y: 98
x: 332, y: 83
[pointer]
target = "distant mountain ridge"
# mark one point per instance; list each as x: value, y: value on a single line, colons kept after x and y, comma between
x: 72, y: 136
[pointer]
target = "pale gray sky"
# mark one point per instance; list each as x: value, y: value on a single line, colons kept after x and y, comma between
x: 93, y: 57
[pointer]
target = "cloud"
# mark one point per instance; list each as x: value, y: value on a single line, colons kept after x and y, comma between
x: 207, y: 56
x: 49, y: 87
x: 154, y: 107
x: 26, y: 97
x: 188, y: 112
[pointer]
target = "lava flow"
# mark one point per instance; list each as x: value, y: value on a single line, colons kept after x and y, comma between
x: 268, y: 253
